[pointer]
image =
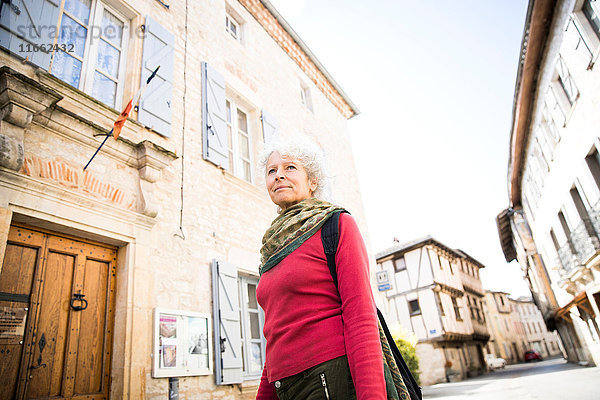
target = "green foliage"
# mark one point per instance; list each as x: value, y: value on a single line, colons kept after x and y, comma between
x: 409, y: 353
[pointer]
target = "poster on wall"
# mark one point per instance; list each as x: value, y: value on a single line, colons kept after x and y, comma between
x: 12, y: 322
x: 182, y: 343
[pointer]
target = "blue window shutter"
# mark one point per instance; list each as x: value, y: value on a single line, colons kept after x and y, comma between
x: 155, y: 106
x: 270, y: 126
x: 25, y: 23
x: 226, y: 313
x: 214, y: 117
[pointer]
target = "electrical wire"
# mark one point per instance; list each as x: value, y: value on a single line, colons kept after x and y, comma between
x: 181, y: 234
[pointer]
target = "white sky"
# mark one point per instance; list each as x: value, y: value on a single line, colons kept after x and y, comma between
x: 434, y: 82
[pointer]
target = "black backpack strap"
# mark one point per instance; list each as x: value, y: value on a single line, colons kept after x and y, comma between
x: 330, y: 235
x: 413, y: 388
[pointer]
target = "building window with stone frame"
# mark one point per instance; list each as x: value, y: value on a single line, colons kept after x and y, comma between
x: 481, y: 311
x: 456, y: 309
x: 91, y: 49
x: 553, y: 104
x: 566, y: 81
x: 586, y: 19
x: 414, y: 308
x: 439, y: 303
x: 306, y: 97
x: 239, y: 140
x: 252, y: 322
x: 234, y: 25
x: 399, y: 264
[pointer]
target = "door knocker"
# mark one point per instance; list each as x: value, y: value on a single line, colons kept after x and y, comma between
x: 79, y: 297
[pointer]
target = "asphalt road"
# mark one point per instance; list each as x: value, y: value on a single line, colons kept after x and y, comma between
x: 547, y: 380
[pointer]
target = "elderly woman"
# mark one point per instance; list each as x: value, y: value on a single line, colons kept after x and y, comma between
x: 322, y: 342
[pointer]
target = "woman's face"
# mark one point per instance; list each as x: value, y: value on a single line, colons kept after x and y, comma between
x: 287, y: 181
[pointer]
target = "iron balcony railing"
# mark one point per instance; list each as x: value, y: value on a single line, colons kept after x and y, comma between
x: 566, y: 258
x: 594, y: 214
x: 583, y: 243
x: 585, y: 240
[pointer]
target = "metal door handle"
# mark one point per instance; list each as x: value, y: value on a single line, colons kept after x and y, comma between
x: 78, y: 297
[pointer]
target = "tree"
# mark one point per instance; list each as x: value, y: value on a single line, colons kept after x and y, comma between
x: 409, y: 353
x: 407, y: 345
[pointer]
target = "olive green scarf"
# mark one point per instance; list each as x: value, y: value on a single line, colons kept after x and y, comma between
x: 291, y: 228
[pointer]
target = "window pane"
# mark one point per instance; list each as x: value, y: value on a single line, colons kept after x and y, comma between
x: 80, y: 9
x: 72, y: 33
x: 592, y: 16
x: 247, y: 171
x: 254, y: 325
x: 252, y: 297
x: 112, y: 29
x: 242, y: 121
x: 244, y: 147
x: 228, y: 108
x: 256, y: 357
x: 108, y: 59
x: 104, y: 89
x: 66, y: 68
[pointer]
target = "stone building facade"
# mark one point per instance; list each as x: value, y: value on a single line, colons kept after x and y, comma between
x: 508, y: 337
x: 516, y: 326
x: 538, y: 337
x: 551, y: 224
x: 436, y: 293
x: 144, y: 266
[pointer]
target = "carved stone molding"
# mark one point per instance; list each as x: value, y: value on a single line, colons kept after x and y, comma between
x: 20, y: 99
x: 151, y: 160
x: 23, y: 100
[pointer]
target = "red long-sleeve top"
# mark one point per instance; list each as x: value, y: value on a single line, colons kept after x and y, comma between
x: 307, y: 321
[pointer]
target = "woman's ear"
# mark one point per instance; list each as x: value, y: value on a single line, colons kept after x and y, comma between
x: 312, y: 185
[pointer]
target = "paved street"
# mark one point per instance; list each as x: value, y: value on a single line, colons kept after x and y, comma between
x: 551, y: 379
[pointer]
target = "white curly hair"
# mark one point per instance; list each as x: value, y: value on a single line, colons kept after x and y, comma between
x: 308, y: 154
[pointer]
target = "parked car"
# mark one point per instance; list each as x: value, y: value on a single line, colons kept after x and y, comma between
x: 494, y: 362
x: 532, y: 355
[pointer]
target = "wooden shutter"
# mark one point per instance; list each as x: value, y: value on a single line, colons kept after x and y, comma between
x: 214, y: 117
x: 228, y: 341
x: 155, y: 106
x: 25, y: 23
x: 270, y: 126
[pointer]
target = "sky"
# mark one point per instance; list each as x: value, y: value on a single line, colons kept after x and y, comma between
x: 434, y: 82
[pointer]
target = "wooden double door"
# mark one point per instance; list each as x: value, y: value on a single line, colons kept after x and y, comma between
x: 56, y: 317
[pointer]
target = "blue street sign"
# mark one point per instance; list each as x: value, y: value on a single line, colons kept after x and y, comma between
x: 384, y: 287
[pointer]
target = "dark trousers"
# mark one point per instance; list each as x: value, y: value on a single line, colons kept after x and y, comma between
x: 330, y: 380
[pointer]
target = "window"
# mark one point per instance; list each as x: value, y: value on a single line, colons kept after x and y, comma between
x: 233, y: 27
x: 305, y: 96
x: 399, y: 264
x: 252, y: 321
x: 592, y: 15
x: 586, y: 21
x: 439, y: 303
x: 552, y: 104
x: 593, y: 163
x: 481, y: 310
x: 414, y: 308
x: 91, y: 46
x: 566, y: 80
x: 502, y: 300
x: 456, y: 309
x: 238, y: 141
